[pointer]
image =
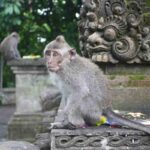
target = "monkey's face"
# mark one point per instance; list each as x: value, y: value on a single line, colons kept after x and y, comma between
x: 53, y: 59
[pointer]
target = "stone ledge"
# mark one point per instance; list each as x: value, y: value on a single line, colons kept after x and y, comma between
x: 27, y: 62
x: 99, y: 139
x: 28, y: 66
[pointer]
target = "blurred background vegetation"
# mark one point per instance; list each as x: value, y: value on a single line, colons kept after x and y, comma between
x: 38, y: 22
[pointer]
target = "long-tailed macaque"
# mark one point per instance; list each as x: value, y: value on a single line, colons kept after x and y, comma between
x: 83, y: 86
x: 9, y: 47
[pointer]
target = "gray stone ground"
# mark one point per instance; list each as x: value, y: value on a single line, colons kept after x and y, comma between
x: 5, y: 114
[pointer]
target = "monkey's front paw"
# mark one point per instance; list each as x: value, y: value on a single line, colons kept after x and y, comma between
x: 55, y: 125
x: 62, y: 125
x: 70, y: 126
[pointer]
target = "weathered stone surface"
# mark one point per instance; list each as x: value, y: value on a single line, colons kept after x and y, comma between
x: 6, y: 112
x: 126, y: 69
x: 31, y: 79
x: 26, y: 126
x: 28, y: 89
x: 8, y: 96
x: 129, y: 86
x: 102, y: 138
x: 27, y: 62
x: 17, y: 145
x: 43, y: 141
x: 131, y: 99
x: 115, y: 31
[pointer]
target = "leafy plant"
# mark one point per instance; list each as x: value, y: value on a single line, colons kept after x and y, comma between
x: 38, y: 22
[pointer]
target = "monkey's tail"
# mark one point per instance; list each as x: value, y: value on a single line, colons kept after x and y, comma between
x: 126, y: 122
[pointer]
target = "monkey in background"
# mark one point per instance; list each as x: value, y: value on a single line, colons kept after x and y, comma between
x: 9, y: 47
x: 85, y: 93
x: 9, y: 51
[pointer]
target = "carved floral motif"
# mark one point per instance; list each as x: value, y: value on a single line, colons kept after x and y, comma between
x: 114, y: 31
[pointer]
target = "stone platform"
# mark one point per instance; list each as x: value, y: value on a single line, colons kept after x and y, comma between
x: 26, y: 126
x: 6, y: 112
x: 100, y: 138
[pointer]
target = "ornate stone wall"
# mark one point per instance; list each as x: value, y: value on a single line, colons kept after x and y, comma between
x: 99, y: 139
x: 115, y: 31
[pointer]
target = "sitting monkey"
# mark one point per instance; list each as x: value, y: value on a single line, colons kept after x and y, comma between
x: 84, y: 88
x: 9, y: 47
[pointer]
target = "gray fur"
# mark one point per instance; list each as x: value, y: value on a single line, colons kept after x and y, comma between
x: 9, y: 47
x: 86, y: 94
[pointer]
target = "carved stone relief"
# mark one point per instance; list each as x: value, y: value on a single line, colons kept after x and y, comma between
x: 99, y: 139
x: 114, y: 31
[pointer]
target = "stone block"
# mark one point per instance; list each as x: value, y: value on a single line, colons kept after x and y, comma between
x: 136, y: 99
x: 31, y: 79
x: 26, y: 126
x: 8, y: 96
x: 102, y: 138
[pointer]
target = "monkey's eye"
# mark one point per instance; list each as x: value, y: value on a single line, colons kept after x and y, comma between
x: 48, y: 53
x: 55, y: 54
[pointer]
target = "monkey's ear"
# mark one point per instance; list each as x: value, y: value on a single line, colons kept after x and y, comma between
x: 72, y: 53
x: 60, y: 38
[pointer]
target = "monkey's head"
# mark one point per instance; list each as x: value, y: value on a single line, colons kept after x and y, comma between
x: 58, y: 52
x: 15, y: 35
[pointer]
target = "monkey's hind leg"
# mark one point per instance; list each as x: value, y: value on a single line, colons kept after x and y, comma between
x: 63, y: 125
x: 76, y: 119
x: 92, y: 118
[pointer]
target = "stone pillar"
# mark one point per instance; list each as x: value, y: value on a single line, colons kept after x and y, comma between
x: 31, y: 80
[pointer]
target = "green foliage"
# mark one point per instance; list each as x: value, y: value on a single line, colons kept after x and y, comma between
x: 9, y: 15
x: 1, y: 98
x: 147, y: 2
x: 38, y: 22
x: 8, y: 77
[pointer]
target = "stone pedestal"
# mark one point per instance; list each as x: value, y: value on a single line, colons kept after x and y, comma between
x: 31, y: 79
x: 102, y: 138
x: 29, y: 119
x: 27, y: 126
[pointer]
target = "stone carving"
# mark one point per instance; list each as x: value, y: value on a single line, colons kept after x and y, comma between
x: 114, y: 31
x: 99, y: 139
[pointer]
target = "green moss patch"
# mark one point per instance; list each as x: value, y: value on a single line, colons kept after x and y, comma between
x: 112, y: 77
x: 137, y: 77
